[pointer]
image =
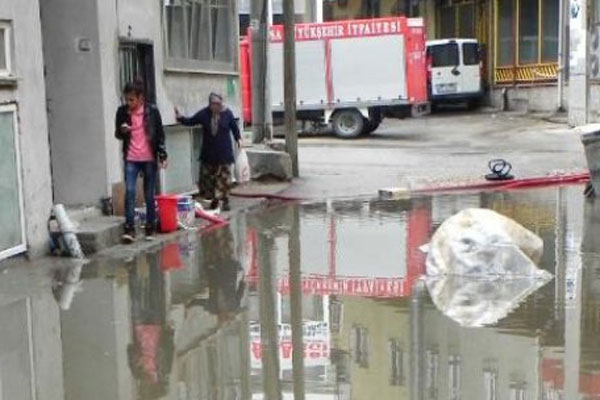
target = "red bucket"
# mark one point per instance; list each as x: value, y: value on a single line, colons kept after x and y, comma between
x: 167, y: 213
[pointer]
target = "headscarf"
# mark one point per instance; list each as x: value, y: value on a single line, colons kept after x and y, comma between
x: 214, y: 123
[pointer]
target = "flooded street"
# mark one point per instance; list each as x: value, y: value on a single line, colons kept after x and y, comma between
x: 215, y: 316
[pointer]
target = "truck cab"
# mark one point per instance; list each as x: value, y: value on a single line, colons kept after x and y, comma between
x: 454, y: 71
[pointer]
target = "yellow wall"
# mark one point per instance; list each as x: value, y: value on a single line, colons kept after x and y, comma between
x: 384, y: 322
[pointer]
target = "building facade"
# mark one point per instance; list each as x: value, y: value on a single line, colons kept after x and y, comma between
x: 182, y: 50
x: 25, y: 182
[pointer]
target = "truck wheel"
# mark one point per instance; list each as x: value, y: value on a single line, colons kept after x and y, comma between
x: 348, y: 124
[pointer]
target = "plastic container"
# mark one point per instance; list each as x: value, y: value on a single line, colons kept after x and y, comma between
x: 185, y: 210
x: 167, y: 213
x: 590, y: 137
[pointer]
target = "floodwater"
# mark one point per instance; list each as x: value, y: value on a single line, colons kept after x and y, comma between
x: 215, y: 316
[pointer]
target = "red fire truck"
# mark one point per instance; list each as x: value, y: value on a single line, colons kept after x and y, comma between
x: 350, y: 74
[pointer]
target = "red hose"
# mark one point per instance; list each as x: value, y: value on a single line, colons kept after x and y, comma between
x: 526, y: 183
x: 513, y: 184
x: 267, y: 196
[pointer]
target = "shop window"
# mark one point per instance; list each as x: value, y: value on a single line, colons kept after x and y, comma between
x: 550, y: 11
x: 528, y: 31
x: 199, y: 33
x: 506, y: 29
x: 534, y: 34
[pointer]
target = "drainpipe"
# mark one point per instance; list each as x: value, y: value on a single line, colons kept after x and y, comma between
x: 561, y: 56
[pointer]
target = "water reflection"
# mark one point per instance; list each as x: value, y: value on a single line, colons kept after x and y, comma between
x: 221, y: 316
x: 477, y: 302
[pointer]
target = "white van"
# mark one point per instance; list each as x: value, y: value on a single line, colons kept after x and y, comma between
x: 454, y: 71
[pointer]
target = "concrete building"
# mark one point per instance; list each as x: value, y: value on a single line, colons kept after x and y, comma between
x: 182, y: 50
x: 25, y: 181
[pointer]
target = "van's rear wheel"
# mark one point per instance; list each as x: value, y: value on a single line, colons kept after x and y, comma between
x: 348, y: 124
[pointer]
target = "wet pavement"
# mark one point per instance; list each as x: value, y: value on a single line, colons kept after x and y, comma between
x: 216, y: 316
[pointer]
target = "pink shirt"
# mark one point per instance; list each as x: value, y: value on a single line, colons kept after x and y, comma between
x: 139, y: 148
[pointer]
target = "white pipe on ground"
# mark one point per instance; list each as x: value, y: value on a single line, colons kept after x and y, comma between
x: 68, y: 232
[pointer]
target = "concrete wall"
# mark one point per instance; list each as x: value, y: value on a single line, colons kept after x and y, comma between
x: 542, y: 98
x: 74, y: 87
x: 29, y: 96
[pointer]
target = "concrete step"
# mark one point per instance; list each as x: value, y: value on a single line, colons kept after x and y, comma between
x: 99, y: 233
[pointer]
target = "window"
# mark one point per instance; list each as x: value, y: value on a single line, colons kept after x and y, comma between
x: 371, y: 8
x: 506, y: 42
x: 517, y: 390
x: 490, y: 381
x: 529, y: 28
x: 447, y: 23
x: 444, y: 55
x: 550, y: 11
x: 454, y: 378
x: 471, y: 54
x: 12, y: 239
x: 5, y: 49
x: 360, y: 345
x: 457, y: 20
x: 397, y: 377
x: 466, y: 17
x: 136, y: 61
x: 431, y: 378
x: 528, y: 31
x: 199, y: 33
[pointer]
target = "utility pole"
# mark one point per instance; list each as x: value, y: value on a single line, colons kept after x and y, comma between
x: 579, y: 88
x: 289, y: 74
x: 562, y: 23
x: 262, y: 119
x: 295, y: 263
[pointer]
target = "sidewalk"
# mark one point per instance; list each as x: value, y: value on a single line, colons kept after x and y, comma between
x: 101, y: 236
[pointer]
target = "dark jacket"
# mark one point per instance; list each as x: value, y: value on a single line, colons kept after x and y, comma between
x: 216, y: 149
x: 154, y: 130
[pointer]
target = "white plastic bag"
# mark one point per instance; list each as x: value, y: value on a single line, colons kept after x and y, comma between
x: 242, y: 167
x: 477, y: 242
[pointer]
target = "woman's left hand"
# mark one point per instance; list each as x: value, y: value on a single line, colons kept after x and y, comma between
x: 239, y: 143
x: 164, y: 164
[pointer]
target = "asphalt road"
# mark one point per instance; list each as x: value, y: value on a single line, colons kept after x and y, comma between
x: 437, y: 149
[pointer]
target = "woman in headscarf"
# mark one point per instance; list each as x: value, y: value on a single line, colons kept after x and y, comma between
x: 218, y: 125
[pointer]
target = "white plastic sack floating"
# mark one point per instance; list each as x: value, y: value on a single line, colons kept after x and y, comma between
x: 478, y: 242
x: 477, y: 302
x: 242, y: 167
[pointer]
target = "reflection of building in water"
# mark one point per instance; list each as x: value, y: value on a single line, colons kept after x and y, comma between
x: 31, y: 357
x: 370, y: 348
